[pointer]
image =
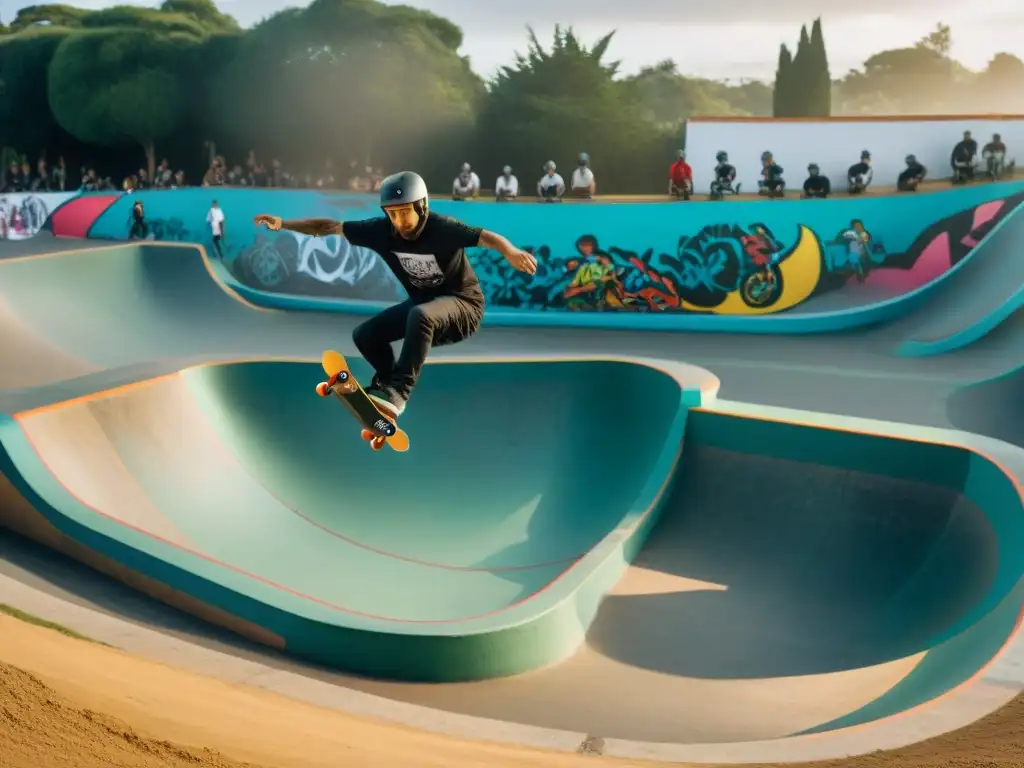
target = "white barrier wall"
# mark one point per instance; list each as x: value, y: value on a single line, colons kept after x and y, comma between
x: 836, y: 143
x: 22, y: 214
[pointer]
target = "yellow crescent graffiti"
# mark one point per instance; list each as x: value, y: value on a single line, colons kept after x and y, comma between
x: 800, y: 270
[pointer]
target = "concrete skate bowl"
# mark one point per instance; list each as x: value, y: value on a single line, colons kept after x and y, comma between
x: 234, y: 492
x: 800, y: 581
x: 858, y: 576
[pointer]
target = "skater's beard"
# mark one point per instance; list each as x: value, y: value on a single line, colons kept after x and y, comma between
x: 407, y: 221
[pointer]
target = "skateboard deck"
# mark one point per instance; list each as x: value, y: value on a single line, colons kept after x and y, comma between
x: 379, y: 427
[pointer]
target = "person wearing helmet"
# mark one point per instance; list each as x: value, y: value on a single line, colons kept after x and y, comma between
x: 506, y: 188
x: 816, y: 185
x: 772, y: 184
x: 725, y: 175
x: 911, y: 176
x: 860, y: 174
x: 680, y: 178
x: 427, y: 254
x: 583, y: 184
x: 466, y: 185
x: 551, y: 186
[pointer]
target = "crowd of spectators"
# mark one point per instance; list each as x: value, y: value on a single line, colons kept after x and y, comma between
x: 42, y: 177
x: 965, y: 162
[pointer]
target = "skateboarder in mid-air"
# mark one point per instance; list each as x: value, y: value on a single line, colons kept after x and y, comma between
x: 426, y: 252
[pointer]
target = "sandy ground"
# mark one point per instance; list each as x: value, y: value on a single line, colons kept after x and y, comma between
x: 76, y: 704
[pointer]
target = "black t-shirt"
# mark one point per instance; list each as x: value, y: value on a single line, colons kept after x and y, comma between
x: 911, y: 172
x: 434, y: 264
x: 817, y: 183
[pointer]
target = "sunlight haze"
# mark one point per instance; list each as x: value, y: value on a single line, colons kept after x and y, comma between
x: 734, y: 40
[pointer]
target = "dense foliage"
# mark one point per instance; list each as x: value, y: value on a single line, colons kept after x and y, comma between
x: 386, y: 85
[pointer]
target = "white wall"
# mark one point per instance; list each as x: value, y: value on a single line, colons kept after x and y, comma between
x: 23, y: 213
x: 835, y: 144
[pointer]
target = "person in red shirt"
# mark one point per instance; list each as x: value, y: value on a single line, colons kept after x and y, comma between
x: 680, y: 178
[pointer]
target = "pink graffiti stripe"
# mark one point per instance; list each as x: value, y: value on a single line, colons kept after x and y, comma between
x: 75, y: 217
x: 934, y: 260
x: 982, y: 215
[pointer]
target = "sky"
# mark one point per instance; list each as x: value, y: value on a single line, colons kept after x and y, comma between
x: 733, y: 40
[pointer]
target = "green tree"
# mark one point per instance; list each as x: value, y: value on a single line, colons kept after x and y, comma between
x: 909, y: 81
x: 801, y: 77
x: 203, y: 12
x: 135, y: 92
x: 1000, y: 87
x: 554, y: 104
x: 53, y: 14
x: 349, y: 79
x: 821, y: 78
x: 26, y: 121
x: 782, y: 101
x: 667, y: 99
x: 939, y: 40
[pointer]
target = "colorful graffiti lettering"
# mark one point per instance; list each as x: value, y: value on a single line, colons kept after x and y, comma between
x: 23, y: 215
x: 286, y: 262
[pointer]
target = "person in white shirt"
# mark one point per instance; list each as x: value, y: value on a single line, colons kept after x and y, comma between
x: 507, y: 185
x: 215, y: 218
x: 583, y: 178
x: 466, y: 185
x: 551, y: 186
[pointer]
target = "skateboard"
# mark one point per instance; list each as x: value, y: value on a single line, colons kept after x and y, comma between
x: 379, y: 426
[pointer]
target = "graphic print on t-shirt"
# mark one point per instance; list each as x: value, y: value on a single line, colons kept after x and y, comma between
x: 422, y: 268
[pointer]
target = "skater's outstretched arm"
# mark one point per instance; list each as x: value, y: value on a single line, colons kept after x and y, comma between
x: 517, y: 257
x: 314, y: 227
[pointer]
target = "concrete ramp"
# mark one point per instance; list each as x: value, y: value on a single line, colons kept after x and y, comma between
x: 481, y: 552
x: 976, y: 296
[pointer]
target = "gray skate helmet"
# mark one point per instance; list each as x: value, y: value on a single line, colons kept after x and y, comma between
x: 813, y: 168
x: 404, y: 188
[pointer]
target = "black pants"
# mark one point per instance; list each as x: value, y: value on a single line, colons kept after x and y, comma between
x: 139, y: 230
x: 433, y: 323
x: 217, y: 247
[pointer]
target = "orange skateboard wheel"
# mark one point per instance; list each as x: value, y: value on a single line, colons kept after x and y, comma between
x: 321, y: 389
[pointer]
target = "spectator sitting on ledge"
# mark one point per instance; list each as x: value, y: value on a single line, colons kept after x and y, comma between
x: 164, y: 174
x: 506, y: 188
x: 551, y: 186
x: 583, y: 184
x: 860, y: 174
x: 466, y: 185
x: 680, y: 178
x: 816, y: 185
x: 964, y: 159
x: 911, y: 176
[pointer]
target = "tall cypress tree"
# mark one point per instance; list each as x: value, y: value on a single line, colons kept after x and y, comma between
x: 800, y: 82
x: 781, y: 100
x: 822, y: 78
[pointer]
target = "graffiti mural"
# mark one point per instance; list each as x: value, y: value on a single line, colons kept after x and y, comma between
x: 856, y: 258
x: 605, y: 257
x: 23, y: 215
x: 704, y: 271
x: 286, y: 262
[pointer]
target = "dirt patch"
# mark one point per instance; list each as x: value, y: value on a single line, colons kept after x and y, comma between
x: 65, y: 703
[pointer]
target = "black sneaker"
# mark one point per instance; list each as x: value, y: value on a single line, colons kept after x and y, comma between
x: 388, y: 399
